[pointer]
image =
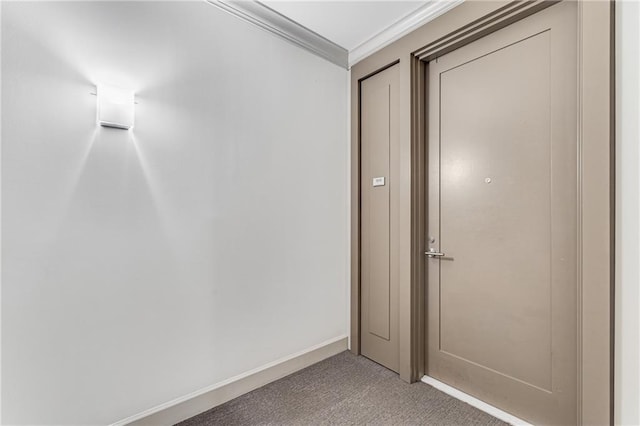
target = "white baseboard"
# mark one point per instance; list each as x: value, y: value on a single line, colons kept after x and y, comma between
x: 200, y: 401
x: 475, y: 402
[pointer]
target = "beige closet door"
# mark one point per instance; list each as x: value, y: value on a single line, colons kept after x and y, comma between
x: 502, y: 209
x: 379, y: 218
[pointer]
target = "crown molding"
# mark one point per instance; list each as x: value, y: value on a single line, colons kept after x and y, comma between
x: 426, y: 13
x: 268, y: 19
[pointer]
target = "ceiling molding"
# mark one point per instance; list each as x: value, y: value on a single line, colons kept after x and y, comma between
x: 426, y: 13
x: 268, y: 19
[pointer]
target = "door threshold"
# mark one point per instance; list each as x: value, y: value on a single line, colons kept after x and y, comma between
x: 475, y: 402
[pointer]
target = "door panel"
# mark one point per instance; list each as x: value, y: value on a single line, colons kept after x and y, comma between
x: 379, y: 156
x: 495, y: 211
x: 502, y: 207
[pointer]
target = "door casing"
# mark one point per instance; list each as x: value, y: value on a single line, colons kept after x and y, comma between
x: 462, y: 25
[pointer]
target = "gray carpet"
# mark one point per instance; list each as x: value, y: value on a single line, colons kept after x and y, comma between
x: 344, y: 389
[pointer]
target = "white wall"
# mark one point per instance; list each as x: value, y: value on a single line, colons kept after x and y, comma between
x: 627, y: 333
x: 141, y: 266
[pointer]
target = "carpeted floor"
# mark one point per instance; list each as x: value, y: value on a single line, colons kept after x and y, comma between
x: 344, y: 389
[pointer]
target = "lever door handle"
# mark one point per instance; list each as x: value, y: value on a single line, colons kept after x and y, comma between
x: 433, y: 254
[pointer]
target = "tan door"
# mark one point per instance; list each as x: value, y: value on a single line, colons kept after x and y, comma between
x: 502, y: 209
x: 379, y: 221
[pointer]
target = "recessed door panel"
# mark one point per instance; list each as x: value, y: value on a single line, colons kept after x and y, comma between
x: 379, y: 156
x: 502, y: 208
x: 495, y: 178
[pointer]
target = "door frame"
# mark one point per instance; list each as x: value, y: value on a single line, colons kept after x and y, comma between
x: 462, y: 25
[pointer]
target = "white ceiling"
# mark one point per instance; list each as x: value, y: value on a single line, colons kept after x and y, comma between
x: 347, y: 23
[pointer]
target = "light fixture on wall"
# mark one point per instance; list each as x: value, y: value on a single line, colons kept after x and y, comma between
x: 115, y: 107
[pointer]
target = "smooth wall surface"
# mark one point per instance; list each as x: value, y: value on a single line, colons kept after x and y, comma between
x: 627, y: 349
x: 140, y: 266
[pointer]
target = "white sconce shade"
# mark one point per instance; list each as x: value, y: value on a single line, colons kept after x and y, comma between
x: 115, y: 107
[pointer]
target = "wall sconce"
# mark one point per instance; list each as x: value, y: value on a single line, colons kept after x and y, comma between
x: 115, y: 107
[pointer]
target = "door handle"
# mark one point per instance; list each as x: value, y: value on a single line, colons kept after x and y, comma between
x: 433, y: 253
